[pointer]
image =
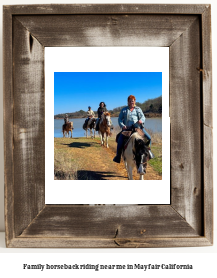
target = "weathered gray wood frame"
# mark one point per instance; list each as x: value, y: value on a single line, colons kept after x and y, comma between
x: 186, y: 29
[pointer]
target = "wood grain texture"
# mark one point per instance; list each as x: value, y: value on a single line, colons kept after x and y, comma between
x: 207, y: 122
x: 34, y: 242
x: 186, y: 30
x: 8, y: 125
x: 109, y: 222
x: 29, y: 132
x: 208, y: 182
x: 185, y: 117
x: 207, y: 67
x: 106, y: 9
x: 107, y: 30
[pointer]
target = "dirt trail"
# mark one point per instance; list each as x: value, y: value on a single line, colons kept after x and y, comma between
x: 91, y: 161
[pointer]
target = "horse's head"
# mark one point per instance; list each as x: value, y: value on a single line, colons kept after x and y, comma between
x: 141, y: 155
x: 107, y: 117
x: 71, y: 125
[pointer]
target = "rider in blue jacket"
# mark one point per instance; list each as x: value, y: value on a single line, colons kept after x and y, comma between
x: 129, y: 117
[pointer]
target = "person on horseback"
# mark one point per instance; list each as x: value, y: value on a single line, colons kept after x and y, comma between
x: 90, y: 115
x: 100, y: 111
x: 130, y: 117
x: 66, y: 119
x: 102, y: 108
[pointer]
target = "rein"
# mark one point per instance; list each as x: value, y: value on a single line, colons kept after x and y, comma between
x: 126, y: 144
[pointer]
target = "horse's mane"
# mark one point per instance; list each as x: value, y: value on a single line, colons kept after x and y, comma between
x: 106, y: 113
x: 136, y: 135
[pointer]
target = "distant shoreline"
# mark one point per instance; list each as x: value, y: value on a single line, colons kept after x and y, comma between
x: 147, y: 115
x: 75, y: 117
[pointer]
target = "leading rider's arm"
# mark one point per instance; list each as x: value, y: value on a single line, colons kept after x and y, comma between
x: 141, y: 116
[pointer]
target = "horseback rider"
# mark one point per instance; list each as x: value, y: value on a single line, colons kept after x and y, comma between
x: 90, y: 115
x: 129, y: 117
x: 66, y: 119
x: 100, y: 111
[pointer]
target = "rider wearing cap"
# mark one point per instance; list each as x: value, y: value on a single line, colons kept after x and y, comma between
x: 66, y: 119
x: 90, y: 114
x: 129, y: 117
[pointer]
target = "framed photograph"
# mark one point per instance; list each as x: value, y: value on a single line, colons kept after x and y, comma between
x: 60, y: 59
x: 85, y: 76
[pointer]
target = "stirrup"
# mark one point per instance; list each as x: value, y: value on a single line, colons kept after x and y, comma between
x: 151, y: 155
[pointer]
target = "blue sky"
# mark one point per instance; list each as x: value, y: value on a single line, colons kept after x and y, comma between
x: 74, y: 91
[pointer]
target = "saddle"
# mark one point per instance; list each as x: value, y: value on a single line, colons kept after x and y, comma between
x: 67, y: 124
x: 127, y: 135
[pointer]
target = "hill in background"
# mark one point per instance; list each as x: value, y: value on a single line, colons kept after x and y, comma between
x: 150, y: 108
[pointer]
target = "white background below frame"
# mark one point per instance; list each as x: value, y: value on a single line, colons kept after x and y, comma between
x: 122, y: 59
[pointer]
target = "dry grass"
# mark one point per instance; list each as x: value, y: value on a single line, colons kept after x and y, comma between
x: 115, y: 131
x: 85, y: 159
x: 64, y: 166
x: 156, y: 137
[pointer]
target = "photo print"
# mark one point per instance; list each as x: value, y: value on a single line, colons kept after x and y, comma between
x: 111, y: 125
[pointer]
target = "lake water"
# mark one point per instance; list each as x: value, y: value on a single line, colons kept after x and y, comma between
x: 154, y: 124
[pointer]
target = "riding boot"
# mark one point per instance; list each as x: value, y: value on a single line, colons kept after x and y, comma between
x: 117, y: 158
x: 97, y: 125
x: 151, y: 155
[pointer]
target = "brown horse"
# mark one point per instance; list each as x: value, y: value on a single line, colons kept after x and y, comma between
x: 104, y: 128
x: 67, y: 127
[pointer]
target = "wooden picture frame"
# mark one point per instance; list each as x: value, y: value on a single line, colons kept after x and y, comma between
x: 186, y: 30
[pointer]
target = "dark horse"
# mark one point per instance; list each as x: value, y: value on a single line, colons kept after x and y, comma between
x: 91, y: 125
x: 136, y: 155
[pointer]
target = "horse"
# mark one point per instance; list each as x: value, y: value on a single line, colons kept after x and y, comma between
x: 67, y: 127
x: 91, y: 125
x: 136, y: 155
x: 104, y: 128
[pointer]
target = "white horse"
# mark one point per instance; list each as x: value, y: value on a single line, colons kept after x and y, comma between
x: 66, y: 128
x: 136, y: 155
x: 91, y: 125
x: 104, y: 128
